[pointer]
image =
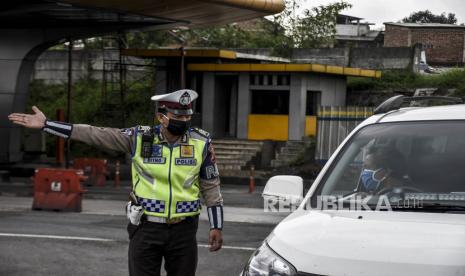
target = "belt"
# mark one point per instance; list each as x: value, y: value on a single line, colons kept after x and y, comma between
x: 164, y: 220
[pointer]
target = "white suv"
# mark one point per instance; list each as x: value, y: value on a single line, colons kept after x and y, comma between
x: 389, y: 201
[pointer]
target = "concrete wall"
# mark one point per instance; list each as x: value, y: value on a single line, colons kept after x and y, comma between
x: 367, y: 58
x: 332, y: 88
x: 330, y: 56
x: 52, y: 65
x: 382, y: 58
x: 352, y: 29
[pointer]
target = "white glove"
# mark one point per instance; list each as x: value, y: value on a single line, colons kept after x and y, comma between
x: 134, y: 213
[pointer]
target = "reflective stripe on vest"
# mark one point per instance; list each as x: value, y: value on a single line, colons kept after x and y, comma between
x: 168, y: 181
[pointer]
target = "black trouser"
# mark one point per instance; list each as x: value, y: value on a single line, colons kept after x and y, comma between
x: 176, y: 243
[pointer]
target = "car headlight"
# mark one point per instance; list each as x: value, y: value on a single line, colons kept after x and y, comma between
x: 265, y: 262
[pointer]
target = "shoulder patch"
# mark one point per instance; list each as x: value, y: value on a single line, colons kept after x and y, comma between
x: 201, y: 132
x: 143, y: 129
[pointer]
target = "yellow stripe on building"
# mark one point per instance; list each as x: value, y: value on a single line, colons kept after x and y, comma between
x: 284, y: 67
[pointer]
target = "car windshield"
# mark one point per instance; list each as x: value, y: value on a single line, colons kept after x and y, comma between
x: 418, y: 163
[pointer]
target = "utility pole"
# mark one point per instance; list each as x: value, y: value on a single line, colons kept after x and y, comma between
x: 68, y: 110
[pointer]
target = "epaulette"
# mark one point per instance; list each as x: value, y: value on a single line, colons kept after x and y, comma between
x: 199, y: 133
x: 143, y: 129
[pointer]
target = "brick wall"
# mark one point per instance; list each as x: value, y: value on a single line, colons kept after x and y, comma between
x: 395, y: 36
x: 442, y: 45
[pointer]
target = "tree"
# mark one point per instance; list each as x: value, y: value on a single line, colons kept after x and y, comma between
x: 256, y: 33
x: 318, y: 26
x: 428, y: 17
x: 315, y: 27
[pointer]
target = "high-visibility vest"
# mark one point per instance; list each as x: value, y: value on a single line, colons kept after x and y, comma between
x: 167, y: 183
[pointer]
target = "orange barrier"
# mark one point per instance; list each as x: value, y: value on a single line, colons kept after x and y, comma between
x: 58, y: 189
x: 95, y: 169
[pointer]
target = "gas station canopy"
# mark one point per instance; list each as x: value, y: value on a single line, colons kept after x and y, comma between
x: 139, y: 13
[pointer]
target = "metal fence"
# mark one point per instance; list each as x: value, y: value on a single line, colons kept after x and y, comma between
x: 333, y: 126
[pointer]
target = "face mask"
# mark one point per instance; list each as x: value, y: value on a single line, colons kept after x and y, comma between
x: 178, y: 127
x: 369, y: 181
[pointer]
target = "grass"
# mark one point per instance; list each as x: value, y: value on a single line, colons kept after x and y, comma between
x: 401, y: 80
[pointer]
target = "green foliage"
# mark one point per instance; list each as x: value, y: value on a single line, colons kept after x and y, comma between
x: 149, y: 39
x: 399, y: 80
x: 140, y: 109
x: 317, y: 27
x: 428, y: 17
x: 86, y: 108
x: 258, y: 33
x: 50, y: 97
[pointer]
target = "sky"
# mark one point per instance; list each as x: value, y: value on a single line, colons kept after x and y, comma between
x: 379, y: 11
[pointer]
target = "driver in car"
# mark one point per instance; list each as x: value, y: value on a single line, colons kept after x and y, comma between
x: 383, y: 168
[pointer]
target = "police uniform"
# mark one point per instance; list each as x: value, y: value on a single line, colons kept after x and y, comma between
x: 168, y: 180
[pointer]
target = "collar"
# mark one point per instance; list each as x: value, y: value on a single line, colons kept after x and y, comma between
x: 184, y: 139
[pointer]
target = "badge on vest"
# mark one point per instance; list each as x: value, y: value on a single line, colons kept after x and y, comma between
x: 156, y: 156
x: 187, y: 151
x: 185, y: 161
x: 157, y: 151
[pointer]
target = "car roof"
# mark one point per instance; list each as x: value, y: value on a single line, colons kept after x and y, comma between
x: 432, y: 113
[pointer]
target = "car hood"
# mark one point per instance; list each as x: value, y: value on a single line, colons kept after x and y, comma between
x: 372, y: 243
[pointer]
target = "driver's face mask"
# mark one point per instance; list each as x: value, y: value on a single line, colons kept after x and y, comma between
x: 370, y: 183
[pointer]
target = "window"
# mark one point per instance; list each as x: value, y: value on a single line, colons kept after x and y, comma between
x: 313, y: 101
x: 270, y: 102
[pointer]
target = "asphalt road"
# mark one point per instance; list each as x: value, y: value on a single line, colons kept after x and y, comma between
x: 95, y: 241
x: 54, y: 244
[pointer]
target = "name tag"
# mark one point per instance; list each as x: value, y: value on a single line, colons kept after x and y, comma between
x: 155, y: 160
x: 185, y: 161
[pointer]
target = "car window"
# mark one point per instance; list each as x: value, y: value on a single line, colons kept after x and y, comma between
x: 422, y: 160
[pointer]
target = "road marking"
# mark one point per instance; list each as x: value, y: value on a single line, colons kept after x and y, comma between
x: 103, y: 240
x: 230, y: 247
x: 54, y: 237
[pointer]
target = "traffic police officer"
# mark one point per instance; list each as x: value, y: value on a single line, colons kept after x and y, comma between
x: 172, y: 165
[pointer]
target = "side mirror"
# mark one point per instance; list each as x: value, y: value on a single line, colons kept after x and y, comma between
x: 284, y: 188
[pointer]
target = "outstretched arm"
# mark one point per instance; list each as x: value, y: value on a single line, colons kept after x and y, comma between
x: 106, y: 138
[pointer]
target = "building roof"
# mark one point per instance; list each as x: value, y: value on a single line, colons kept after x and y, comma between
x: 370, y: 36
x: 350, y: 17
x: 424, y: 25
x: 198, y: 53
x: 284, y: 67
